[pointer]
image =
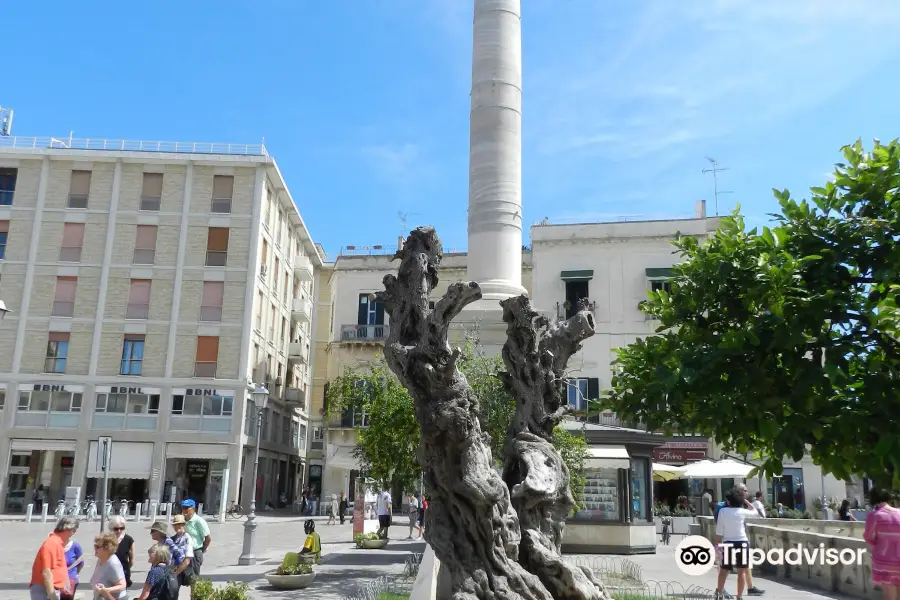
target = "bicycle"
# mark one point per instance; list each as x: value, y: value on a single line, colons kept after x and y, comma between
x: 90, y: 508
x: 236, y: 511
x: 60, y: 509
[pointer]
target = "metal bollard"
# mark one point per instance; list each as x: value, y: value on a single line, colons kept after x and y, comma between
x: 44, y: 508
x: 29, y: 512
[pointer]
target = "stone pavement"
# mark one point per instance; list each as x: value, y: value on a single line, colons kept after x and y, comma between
x: 343, y: 567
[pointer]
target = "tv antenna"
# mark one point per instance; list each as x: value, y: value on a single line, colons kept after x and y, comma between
x: 715, y: 170
x: 6, y: 116
x: 402, y: 216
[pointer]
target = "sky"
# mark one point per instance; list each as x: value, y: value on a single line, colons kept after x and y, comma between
x: 364, y: 103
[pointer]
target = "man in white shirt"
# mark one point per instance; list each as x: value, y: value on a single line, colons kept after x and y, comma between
x: 758, y: 505
x: 731, y: 535
x: 383, y: 510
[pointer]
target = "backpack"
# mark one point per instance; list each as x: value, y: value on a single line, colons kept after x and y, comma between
x: 167, y: 587
x: 719, y: 506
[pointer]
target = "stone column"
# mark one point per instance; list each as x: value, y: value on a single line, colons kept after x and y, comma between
x: 495, y: 151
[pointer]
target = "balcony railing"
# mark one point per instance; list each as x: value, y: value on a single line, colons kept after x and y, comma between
x: 296, y: 396
x: 303, y: 268
x: 348, y: 419
x: 300, y: 310
x: 299, y: 351
x: 613, y: 420
x: 364, y: 333
x: 562, y: 308
x: 34, y: 143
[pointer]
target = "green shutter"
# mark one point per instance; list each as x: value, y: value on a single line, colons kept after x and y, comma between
x: 660, y: 273
x: 584, y: 275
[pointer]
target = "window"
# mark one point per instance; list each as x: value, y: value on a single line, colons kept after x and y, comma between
x: 7, y: 186
x: 250, y: 419
x: 151, y: 192
x: 371, y: 311
x: 4, y: 234
x: 207, y: 356
x: 259, y: 314
x: 276, y: 271
x: 145, y: 245
x: 132, y: 355
x: 278, y: 227
x: 138, y: 306
x: 133, y: 404
x: 580, y: 392
x: 223, y: 192
x: 273, y: 318
x: 57, y: 352
x: 2, y: 400
x: 217, y: 247
x: 286, y: 431
x: 287, y: 289
x: 575, y: 292
x: 64, y: 297
x: 44, y: 401
x: 72, y: 242
x: 267, y: 203
x: 264, y: 260
x: 79, y: 189
x: 211, y: 303
x: 208, y: 406
x: 661, y: 285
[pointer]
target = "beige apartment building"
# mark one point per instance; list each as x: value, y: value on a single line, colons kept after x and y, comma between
x: 151, y: 286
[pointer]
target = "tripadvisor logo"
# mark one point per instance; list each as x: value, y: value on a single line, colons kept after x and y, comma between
x: 696, y: 555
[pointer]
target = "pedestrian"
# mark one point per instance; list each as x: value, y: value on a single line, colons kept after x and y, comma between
x: 125, y: 550
x: 161, y: 582
x: 844, y: 511
x: 198, y: 530
x: 882, y: 534
x: 38, y: 498
x: 706, y: 503
x: 49, y: 574
x: 333, y: 510
x: 342, y: 507
x: 108, y: 580
x: 185, y: 545
x: 75, y: 563
x: 731, y: 535
x: 758, y: 505
x: 413, y: 509
x: 180, y: 556
x: 752, y: 590
x: 423, y: 506
x: 383, y: 510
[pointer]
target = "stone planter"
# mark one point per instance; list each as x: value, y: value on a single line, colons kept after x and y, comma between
x: 373, y: 544
x: 290, y: 582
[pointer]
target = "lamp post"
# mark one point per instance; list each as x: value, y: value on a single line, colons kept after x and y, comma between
x: 260, y: 397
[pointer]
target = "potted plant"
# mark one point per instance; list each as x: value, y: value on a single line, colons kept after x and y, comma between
x: 369, y: 541
x: 292, y: 577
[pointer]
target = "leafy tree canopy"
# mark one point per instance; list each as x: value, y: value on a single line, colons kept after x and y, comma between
x: 387, y: 445
x: 785, y: 339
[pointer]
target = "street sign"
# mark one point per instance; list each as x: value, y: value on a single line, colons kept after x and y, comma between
x: 104, y: 453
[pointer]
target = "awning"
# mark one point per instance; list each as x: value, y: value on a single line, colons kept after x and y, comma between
x: 664, y: 273
x: 583, y: 275
x: 663, y: 472
x: 341, y: 457
x: 31, y: 445
x: 128, y: 460
x: 196, y: 451
x: 607, y: 457
x: 722, y: 469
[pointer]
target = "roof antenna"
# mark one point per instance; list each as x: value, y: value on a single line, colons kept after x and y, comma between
x: 715, y: 170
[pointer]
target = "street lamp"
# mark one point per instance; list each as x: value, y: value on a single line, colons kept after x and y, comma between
x: 260, y: 397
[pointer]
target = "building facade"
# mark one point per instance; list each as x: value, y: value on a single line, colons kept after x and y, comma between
x: 151, y: 285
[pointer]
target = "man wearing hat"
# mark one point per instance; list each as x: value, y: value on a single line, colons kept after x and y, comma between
x: 198, y: 530
x: 180, y: 561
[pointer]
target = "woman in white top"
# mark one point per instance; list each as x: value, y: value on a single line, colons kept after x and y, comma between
x: 731, y: 535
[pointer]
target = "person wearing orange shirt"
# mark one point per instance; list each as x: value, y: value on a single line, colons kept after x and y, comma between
x: 49, y: 574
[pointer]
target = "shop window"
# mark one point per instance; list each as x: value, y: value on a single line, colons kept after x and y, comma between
x: 208, y: 406
x: 135, y: 404
x: 57, y: 401
x: 601, y: 496
x: 639, y: 500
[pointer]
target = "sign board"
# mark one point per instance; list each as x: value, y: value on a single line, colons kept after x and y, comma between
x: 673, y: 456
x: 104, y: 453
x: 73, y: 496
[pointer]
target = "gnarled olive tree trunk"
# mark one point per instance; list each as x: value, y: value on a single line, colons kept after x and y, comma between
x: 471, y: 526
x: 536, y: 354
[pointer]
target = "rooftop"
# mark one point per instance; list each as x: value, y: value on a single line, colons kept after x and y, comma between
x: 100, y: 144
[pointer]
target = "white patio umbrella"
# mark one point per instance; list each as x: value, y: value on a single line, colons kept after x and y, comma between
x: 718, y: 469
x: 663, y: 472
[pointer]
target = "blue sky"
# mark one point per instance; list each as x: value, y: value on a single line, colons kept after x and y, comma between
x: 364, y: 103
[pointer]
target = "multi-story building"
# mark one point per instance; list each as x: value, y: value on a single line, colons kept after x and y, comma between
x: 151, y: 285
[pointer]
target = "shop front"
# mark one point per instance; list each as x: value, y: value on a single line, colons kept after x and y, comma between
x: 129, y: 473
x: 617, y: 513
x: 198, y: 472
x: 681, y: 451
x: 39, y: 471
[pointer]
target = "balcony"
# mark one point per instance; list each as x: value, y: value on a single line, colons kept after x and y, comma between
x: 296, y: 397
x: 348, y: 419
x: 299, y: 352
x: 301, y: 311
x: 303, y: 269
x: 364, y: 334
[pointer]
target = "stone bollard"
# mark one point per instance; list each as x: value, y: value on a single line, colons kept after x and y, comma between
x: 44, y: 508
x: 29, y: 512
x: 200, y: 509
x: 168, y: 512
x: 154, y: 508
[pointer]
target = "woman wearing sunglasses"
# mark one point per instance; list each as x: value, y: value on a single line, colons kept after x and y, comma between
x: 108, y: 580
x: 125, y: 549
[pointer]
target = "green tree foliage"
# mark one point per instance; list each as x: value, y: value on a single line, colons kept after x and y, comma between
x: 386, y: 447
x: 785, y: 339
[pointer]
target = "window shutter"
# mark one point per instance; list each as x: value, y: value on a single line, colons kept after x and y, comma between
x: 363, y: 315
x: 145, y: 238
x: 59, y: 336
x: 4, y: 226
x: 223, y: 186
x: 65, y: 289
x: 593, y: 388
x: 217, y: 239
x: 152, y: 185
x: 73, y: 235
x: 379, y: 313
x: 213, y: 293
x: 140, y: 291
x: 81, y: 183
x: 207, y: 348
